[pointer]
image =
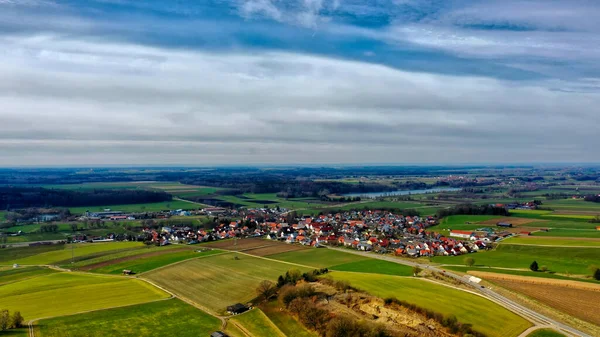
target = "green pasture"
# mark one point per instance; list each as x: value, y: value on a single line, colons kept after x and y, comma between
x: 374, y: 266
x: 163, y: 318
x: 572, y: 205
x: 545, y: 333
x: 68, y: 251
x: 145, y: 264
x: 257, y: 323
x: 61, y: 294
x: 465, y: 269
x: 551, y: 242
x: 18, y: 274
x: 485, y: 316
x: 139, y: 208
x: 318, y: 257
x: 575, y: 233
x: 564, y: 260
x: 119, y: 254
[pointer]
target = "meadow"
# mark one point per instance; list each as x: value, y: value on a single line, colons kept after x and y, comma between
x: 566, y: 260
x: 551, y: 241
x: 133, y: 208
x: 217, y: 281
x: 20, y: 253
x: 529, y: 273
x: 545, y: 333
x: 374, y: 266
x: 146, y: 264
x: 318, y: 257
x: 64, y: 253
x: 61, y: 294
x: 574, y: 233
x: 486, y: 316
x: 162, y: 318
x: 256, y: 323
x: 14, y: 275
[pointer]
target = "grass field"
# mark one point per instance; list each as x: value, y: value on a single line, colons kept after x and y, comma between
x: 78, y: 250
x: 567, y: 260
x: 374, y: 266
x: 90, y: 261
x: 218, y: 281
x: 574, y: 233
x: 150, y: 207
x: 572, y: 205
x: 550, y: 241
x: 10, y: 254
x: 257, y: 324
x: 14, y: 275
x: 545, y: 333
x: 486, y: 316
x: 67, y: 293
x: 286, y: 323
x: 163, y: 318
x: 145, y: 264
x: 318, y: 257
x: 32, y: 228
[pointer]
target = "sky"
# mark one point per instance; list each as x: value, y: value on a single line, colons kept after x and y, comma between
x: 209, y: 82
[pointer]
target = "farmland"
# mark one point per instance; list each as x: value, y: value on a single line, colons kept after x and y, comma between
x: 567, y: 260
x: 61, y: 290
x: 552, y: 241
x: 221, y: 280
x: 256, y: 323
x: 14, y: 275
x: 545, y: 333
x: 58, y: 255
x: 476, y: 270
x: 575, y: 301
x: 142, y: 264
x: 91, y: 261
x: 162, y: 318
x: 151, y: 207
x: 318, y: 258
x: 485, y: 316
x: 375, y: 267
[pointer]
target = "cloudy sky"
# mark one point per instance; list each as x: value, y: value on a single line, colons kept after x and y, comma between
x: 204, y: 82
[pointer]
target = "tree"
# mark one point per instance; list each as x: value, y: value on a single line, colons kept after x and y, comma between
x: 534, y: 266
x: 544, y: 269
x: 416, y: 270
x: 17, y: 320
x: 4, y: 320
x: 266, y: 289
x: 469, y: 261
x: 597, y: 274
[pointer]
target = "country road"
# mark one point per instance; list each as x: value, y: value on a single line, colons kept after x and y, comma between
x: 531, y: 315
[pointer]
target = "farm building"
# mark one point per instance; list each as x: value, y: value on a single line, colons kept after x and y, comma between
x: 504, y: 224
x: 461, y: 234
x: 237, y: 309
x: 218, y: 334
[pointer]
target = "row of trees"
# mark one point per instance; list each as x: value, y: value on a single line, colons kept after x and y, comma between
x: 470, y: 209
x: 10, y: 322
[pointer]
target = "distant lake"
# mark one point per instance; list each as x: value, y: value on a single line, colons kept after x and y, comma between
x: 403, y: 192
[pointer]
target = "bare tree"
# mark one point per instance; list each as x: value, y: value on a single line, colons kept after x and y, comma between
x: 266, y: 289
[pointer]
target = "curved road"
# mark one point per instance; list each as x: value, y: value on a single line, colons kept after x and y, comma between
x: 531, y: 315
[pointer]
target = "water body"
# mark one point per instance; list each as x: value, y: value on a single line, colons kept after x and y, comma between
x: 373, y: 195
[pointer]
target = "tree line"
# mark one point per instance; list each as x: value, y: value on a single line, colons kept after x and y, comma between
x: 24, y: 197
x: 470, y: 209
x: 8, y: 322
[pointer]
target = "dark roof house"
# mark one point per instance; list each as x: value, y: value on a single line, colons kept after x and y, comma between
x: 237, y: 309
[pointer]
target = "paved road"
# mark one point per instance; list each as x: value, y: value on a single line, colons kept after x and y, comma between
x: 531, y: 315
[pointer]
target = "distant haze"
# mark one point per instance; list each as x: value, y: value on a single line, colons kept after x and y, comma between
x: 214, y: 82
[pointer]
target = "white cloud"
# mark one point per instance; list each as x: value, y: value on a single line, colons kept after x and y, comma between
x: 76, y: 102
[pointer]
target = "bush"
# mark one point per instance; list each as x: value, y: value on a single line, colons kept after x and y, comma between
x: 534, y: 266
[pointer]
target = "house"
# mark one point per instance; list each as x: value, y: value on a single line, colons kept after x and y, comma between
x: 128, y: 272
x: 504, y: 224
x: 237, y: 308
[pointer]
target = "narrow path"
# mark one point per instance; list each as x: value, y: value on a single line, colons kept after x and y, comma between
x: 191, y: 202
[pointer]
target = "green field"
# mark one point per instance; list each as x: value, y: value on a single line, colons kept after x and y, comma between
x: 257, y: 323
x: 61, y: 294
x: 567, y: 260
x: 551, y: 241
x: 218, y: 281
x: 10, y: 254
x: 163, y: 318
x: 486, y: 316
x: 575, y: 233
x: 146, y: 264
x: 67, y: 251
x: 32, y: 228
x: 285, y: 322
x: 318, y: 257
x: 572, y: 205
x: 545, y: 333
x: 374, y: 266
x: 18, y: 274
x: 120, y: 254
x: 151, y: 207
